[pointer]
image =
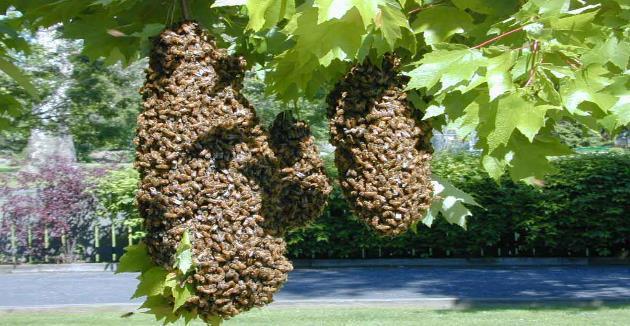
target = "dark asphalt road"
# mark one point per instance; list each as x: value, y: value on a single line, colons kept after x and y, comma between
x: 310, y: 286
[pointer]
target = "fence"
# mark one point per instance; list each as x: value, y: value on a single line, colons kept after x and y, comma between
x: 107, y: 245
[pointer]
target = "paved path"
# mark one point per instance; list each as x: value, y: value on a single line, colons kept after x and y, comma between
x: 352, y: 285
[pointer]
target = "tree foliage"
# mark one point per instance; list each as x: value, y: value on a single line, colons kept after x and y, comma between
x: 507, y: 71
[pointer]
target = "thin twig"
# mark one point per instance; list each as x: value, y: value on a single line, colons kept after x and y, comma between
x: 573, y: 63
x: 532, y: 71
x: 498, y: 37
x: 185, y: 10
x: 419, y: 9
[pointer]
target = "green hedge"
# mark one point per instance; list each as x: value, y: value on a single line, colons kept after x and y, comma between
x: 582, y: 207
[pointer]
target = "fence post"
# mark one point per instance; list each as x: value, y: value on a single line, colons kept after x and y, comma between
x: 13, y: 244
x: 46, y: 243
x: 97, y: 241
x: 129, y: 236
x: 113, y: 241
x: 30, y: 245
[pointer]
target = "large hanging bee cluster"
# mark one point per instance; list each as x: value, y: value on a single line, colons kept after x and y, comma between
x: 207, y: 169
x: 300, y: 186
x: 382, y: 150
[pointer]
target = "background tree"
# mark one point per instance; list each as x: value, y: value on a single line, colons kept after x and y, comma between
x: 510, y: 72
x: 54, y: 202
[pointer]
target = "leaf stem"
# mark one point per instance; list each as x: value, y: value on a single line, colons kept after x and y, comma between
x: 498, y: 37
x: 573, y: 63
x: 185, y: 10
x: 421, y: 8
x: 532, y: 71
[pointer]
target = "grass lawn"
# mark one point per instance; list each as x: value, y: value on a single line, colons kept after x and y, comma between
x: 612, y: 315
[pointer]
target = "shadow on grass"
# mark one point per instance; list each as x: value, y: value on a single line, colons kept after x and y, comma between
x: 573, y: 306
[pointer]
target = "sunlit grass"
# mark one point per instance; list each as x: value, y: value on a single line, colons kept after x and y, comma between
x: 398, y: 316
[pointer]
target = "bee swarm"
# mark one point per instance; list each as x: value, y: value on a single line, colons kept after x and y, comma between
x: 300, y: 186
x: 205, y: 164
x: 383, y: 151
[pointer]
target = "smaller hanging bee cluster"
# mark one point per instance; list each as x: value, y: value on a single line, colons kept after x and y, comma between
x: 383, y: 151
x: 300, y: 187
x: 204, y: 161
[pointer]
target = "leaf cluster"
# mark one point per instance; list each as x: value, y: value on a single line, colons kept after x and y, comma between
x: 507, y: 72
x: 166, y: 291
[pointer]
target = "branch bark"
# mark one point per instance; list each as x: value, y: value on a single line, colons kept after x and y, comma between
x: 496, y: 38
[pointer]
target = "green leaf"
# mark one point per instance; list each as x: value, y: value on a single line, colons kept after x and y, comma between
x: 135, y: 259
x: 9, y: 106
x: 182, y: 294
x: 214, y: 320
x: 450, y: 190
x: 17, y: 75
x: 368, y: 9
x: 514, y: 112
x: 621, y: 110
x: 612, y: 50
x: 530, y: 159
x: 586, y: 87
x: 160, y: 307
x: 579, y: 22
x: 498, y: 76
x: 332, y: 9
x: 267, y: 13
x: 390, y: 20
x: 438, y: 24
x: 189, y: 316
x: 495, y: 167
x: 497, y: 8
x: 433, y: 111
x: 450, y: 67
x: 552, y: 7
x: 467, y: 121
x: 171, y: 280
x: 183, y: 254
x: 547, y: 90
x: 151, y: 282
x: 449, y: 201
x: 530, y: 122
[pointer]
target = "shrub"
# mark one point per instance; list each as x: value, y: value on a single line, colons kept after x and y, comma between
x: 116, y: 192
x: 582, y: 206
x: 53, y: 202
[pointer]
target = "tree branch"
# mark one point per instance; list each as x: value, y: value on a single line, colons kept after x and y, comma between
x: 496, y: 38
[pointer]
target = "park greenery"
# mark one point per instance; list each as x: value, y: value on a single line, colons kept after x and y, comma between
x: 510, y: 72
x: 530, y: 80
x: 513, y: 219
x: 298, y: 316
